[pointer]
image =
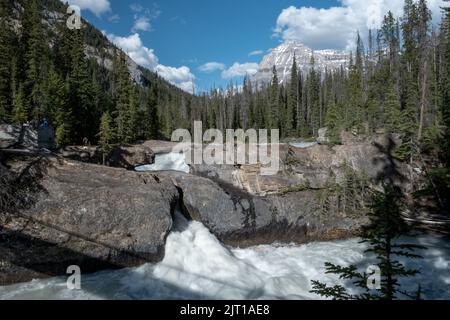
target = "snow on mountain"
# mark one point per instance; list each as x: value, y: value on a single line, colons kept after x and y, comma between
x: 282, y: 57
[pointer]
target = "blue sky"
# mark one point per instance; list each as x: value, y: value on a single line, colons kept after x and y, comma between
x: 206, y: 43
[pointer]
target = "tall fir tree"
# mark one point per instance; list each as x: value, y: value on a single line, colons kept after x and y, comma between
x: 106, y: 135
x: 274, y: 96
x: 392, y: 110
x: 80, y: 91
x: 122, y: 111
x: 153, y: 126
x: 293, y: 101
x: 35, y: 59
x: 6, y: 67
x: 333, y: 122
x: 20, y: 114
x: 312, y: 101
x: 445, y: 86
x: 57, y: 109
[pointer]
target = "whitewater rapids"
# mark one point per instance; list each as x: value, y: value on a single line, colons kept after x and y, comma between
x: 198, y: 266
x: 167, y: 162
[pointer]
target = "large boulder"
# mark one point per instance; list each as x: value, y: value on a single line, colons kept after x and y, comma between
x: 87, y: 215
x: 131, y: 156
x: 240, y: 219
x: 160, y: 147
x: 17, y: 136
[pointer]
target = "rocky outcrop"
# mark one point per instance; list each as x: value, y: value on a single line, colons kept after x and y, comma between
x: 314, y: 167
x: 16, y: 136
x: 160, y: 147
x: 131, y: 156
x: 128, y: 156
x: 240, y: 219
x: 81, y: 214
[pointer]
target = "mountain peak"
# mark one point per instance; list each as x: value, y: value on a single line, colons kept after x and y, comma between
x: 282, y: 58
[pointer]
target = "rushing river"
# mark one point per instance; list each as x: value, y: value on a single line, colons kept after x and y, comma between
x: 167, y: 162
x: 198, y: 266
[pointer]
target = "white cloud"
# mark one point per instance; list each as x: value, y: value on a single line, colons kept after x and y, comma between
x: 182, y: 77
x: 142, y: 24
x: 136, y: 7
x: 114, y: 18
x: 240, y: 70
x: 256, y: 53
x: 97, y: 7
x: 144, y: 16
x: 336, y: 27
x: 211, y: 67
x: 133, y: 46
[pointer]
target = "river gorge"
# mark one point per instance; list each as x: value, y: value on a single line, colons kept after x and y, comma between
x: 196, y: 265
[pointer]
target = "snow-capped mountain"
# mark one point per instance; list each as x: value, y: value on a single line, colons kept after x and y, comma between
x: 282, y: 57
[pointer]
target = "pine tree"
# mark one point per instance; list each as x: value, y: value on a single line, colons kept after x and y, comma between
x: 55, y: 98
x: 292, y: 103
x: 313, y: 99
x: 274, y: 107
x: 445, y: 87
x: 354, y: 112
x: 20, y: 111
x: 57, y: 110
x: 135, y: 114
x: 6, y: 68
x: 34, y: 58
x: 333, y: 122
x: 409, y: 123
x: 80, y: 91
x: 106, y: 135
x: 409, y: 23
x: 122, y: 97
x: 153, y: 126
x: 392, y: 111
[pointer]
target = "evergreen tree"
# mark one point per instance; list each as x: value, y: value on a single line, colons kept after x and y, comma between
x: 35, y: 58
x: 354, y: 113
x: 106, y: 135
x: 445, y: 87
x: 293, y: 101
x: 6, y: 70
x: 312, y: 101
x: 55, y: 98
x: 20, y: 110
x: 333, y: 122
x: 408, y: 123
x: 135, y: 114
x: 80, y: 91
x: 57, y: 109
x: 392, y: 110
x: 153, y: 127
x: 274, y: 107
x: 122, y: 112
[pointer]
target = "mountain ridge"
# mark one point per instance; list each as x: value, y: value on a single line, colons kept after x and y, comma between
x: 282, y: 58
